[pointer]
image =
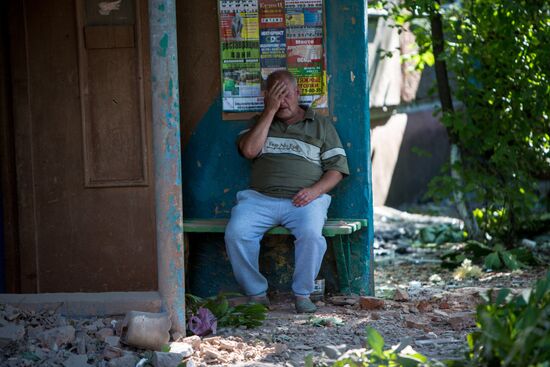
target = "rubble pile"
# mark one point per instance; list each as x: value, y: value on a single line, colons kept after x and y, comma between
x: 416, y: 302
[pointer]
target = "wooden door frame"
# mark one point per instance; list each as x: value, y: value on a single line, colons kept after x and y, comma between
x: 8, y: 182
x: 26, y: 251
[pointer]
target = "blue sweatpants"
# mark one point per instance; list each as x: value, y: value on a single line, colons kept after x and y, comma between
x: 255, y: 214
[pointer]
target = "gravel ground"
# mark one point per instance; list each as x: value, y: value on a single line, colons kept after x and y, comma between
x: 418, y: 303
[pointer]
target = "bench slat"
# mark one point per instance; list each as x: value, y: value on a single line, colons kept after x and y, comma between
x: 333, y: 227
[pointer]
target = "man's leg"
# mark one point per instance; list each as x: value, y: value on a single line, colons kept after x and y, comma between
x: 253, y: 215
x: 306, y: 224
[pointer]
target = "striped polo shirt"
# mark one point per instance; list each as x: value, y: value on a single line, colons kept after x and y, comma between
x: 296, y: 156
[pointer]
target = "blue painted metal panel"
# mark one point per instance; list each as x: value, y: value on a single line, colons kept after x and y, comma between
x: 214, y: 171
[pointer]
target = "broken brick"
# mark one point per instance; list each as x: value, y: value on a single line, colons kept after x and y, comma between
x: 371, y: 303
x: 401, y: 295
x: 424, y: 306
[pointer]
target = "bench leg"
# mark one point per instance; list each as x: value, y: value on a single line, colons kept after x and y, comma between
x: 342, y: 253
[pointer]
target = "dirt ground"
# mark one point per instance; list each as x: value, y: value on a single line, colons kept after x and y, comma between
x: 430, y: 310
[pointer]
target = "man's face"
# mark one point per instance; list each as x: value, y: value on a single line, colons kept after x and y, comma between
x: 289, y: 104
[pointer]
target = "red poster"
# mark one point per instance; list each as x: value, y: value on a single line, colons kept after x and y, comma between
x: 271, y: 13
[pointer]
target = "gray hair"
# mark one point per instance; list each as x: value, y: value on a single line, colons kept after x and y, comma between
x: 281, y: 74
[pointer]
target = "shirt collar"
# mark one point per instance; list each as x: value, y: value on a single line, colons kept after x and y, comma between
x: 310, y: 114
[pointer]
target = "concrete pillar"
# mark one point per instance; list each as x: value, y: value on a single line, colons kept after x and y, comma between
x: 347, y: 55
x: 167, y: 159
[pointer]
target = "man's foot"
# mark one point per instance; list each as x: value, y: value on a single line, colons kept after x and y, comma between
x: 263, y: 300
x: 304, y: 305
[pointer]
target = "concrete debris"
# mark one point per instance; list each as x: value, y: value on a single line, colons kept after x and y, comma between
x: 164, y: 359
x: 441, y: 313
x: 211, y: 353
x: 334, y: 351
x: 435, y: 313
x: 185, y: 349
x: 11, y: 333
x: 103, y: 333
x: 194, y: 340
x: 528, y: 243
x: 280, y: 348
x: 227, y: 345
x: 113, y: 341
x: 127, y: 360
x: 57, y: 337
x: 76, y: 360
x: 344, y: 300
x: 437, y: 341
x: 416, y: 323
x: 401, y: 295
x: 112, y: 352
x: 371, y: 303
x: 424, y: 306
x: 146, y: 330
x: 462, y: 320
x: 10, y: 313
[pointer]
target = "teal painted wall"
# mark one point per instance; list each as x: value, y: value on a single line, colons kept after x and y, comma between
x: 213, y: 171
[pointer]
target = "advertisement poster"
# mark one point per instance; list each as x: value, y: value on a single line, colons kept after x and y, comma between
x: 240, y: 55
x: 261, y: 36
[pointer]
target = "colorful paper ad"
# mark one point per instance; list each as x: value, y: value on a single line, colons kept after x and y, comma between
x: 259, y: 37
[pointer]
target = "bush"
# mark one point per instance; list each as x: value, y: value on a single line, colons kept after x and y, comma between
x: 250, y: 314
x: 513, y: 332
x: 498, y: 55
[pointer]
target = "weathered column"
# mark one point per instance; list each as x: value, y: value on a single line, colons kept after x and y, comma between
x: 347, y: 58
x: 167, y: 158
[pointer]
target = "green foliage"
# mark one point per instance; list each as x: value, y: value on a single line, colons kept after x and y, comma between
x: 513, y: 331
x: 441, y: 233
x: 400, y: 356
x: 250, y: 314
x: 467, y: 270
x: 494, y: 257
x: 498, y: 54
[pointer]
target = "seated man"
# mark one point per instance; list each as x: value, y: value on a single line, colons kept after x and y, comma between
x: 297, y: 157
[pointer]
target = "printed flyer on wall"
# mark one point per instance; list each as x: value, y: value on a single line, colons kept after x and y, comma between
x: 240, y: 55
x: 261, y: 36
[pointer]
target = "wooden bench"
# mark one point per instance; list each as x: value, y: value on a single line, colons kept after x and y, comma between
x: 339, y: 229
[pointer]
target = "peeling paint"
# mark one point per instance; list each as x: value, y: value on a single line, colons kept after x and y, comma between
x: 350, y: 102
x: 163, y: 46
x: 167, y: 160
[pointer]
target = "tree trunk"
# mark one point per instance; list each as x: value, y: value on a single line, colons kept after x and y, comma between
x: 445, y: 97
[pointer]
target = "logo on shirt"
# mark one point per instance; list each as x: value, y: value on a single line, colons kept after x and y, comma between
x: 297, y: 147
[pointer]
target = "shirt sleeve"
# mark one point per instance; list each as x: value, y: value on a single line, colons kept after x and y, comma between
x: 333, y: 155
x: 251, y: 123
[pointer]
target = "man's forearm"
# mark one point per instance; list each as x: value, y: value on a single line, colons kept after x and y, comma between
x: 327, y: 182
x: 252, y: 142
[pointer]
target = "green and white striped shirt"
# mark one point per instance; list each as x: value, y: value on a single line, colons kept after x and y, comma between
x: 296, y: 156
